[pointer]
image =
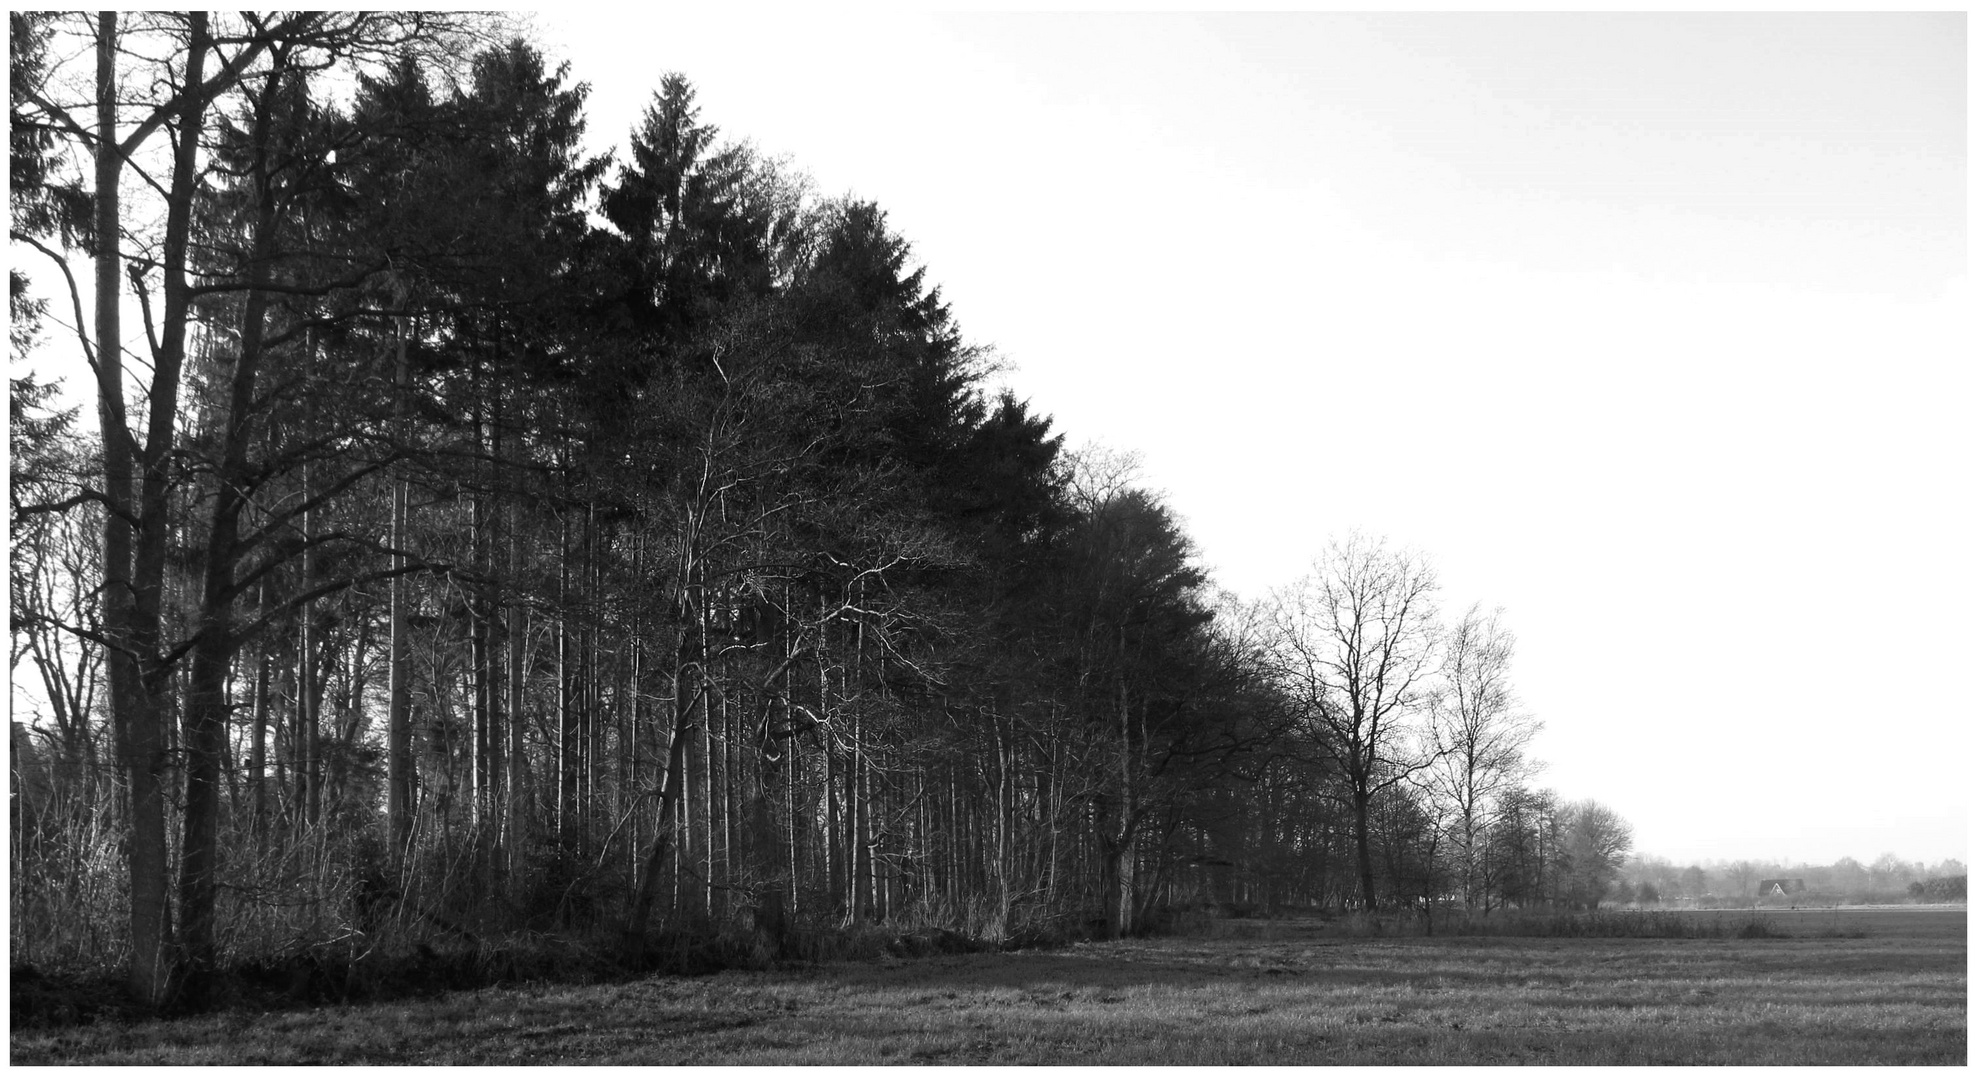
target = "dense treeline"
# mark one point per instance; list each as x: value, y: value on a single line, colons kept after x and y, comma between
x: 483, y: 539
x: 1741, y: 882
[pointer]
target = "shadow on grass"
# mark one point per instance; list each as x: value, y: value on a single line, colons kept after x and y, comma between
x: 311, y: 978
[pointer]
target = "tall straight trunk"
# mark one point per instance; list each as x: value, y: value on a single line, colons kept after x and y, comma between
x: 478, y: 716
x: 636, y: 747
x: 708, y: 811
x: 514, y: 630
x: 953, y: 860
x: 183, y: 113
x: 834, y: 846
x: 258, y: 737
x: 481, y: 608
x: 213, y: 645
x: 588, y: 695
x: 282, y: 734
x: 793, y: 776
x: 1118, y: 884
x: 1327, y: 854
x: 399, y: 655
x: 1001, y: 823
x: 625, y: 746
x: 727, y: 723
x: 495, y: 808
x: 309, y: 691
x: 1364, y: 864
x: 479, y: 664
x: 689, y: 852
x: 567, y: 689
x: 302, y: 748
x: 1119, y: 847
x: 1468, y: 862
x: 1050, y: 815
x: 129, y: 595
x: 258, y: 717
x: 309, y: 703
x: 857, y: 814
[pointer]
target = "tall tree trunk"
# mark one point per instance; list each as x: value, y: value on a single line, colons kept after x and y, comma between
x: 708, y: 808
x: 130, y: 595
x: 859, y: 813
x: 834, y: 846
x: 567, y: 692
x: 213, y: 647
x: 1364, y: 865
x: 589, y: 698
x: 399, y: 660
x: 514, y: 826
x: 307, y: 740
x: 728, y: 720
x: 480, y: 665
x: 258, y: 745
x: 1120, y: 844
x: 767, y: 867
x: 794, y: 774
x: 309, y: 703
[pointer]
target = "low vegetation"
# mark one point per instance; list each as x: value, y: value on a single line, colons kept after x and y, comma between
x: 1890, y: 990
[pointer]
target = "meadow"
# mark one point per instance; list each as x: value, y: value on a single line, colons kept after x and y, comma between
x: 1841, y: 987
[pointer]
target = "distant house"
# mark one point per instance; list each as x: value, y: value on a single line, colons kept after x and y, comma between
x: 1781, y: 886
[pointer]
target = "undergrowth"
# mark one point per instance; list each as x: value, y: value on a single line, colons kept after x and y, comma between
x: 356, y: 968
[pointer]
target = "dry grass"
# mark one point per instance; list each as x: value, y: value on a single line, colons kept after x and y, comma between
x: 1897, y: 995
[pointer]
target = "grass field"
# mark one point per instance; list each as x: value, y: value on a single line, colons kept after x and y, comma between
x: 1865, y: 987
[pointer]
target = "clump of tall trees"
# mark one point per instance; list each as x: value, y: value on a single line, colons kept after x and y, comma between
x: 481, y: 538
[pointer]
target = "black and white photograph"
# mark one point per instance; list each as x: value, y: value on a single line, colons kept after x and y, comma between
x: 833, y: 536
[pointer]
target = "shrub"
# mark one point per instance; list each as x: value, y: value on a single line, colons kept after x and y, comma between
x: 69, y: 891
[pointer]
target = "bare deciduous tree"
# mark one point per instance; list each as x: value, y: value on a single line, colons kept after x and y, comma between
x: 1481, y: 734
x: 1355, y: 651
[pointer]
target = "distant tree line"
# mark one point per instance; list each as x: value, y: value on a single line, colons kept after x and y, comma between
x: 483, y: 539
x: 1887, y: 879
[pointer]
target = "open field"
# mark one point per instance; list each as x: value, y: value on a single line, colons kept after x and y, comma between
x: 1280, y: 993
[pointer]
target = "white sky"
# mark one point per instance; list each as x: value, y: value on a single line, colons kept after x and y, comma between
x: 1652, y: 329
